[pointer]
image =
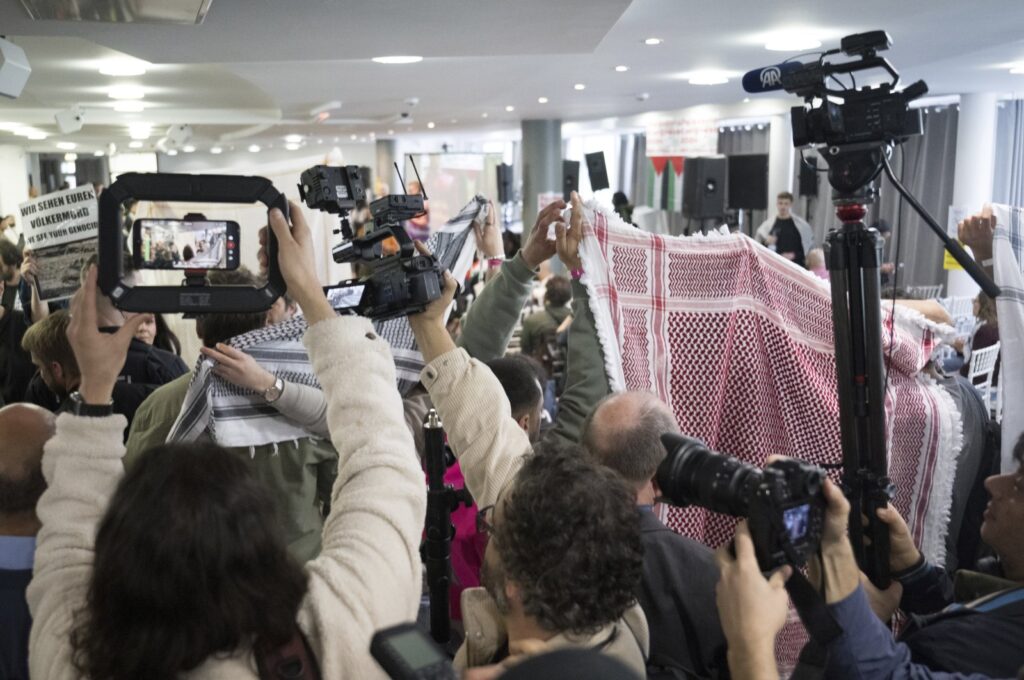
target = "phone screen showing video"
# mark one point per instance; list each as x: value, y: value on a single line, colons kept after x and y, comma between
x: 345, y: 297
x: 178, y: 244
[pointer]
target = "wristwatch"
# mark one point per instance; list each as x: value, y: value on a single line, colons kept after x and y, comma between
x: 78, y: 407
x: 273, y: 393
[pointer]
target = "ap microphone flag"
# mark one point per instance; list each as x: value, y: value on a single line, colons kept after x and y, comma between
x: 768, y: 78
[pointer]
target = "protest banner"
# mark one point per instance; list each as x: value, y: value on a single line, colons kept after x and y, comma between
x: 61, y: 230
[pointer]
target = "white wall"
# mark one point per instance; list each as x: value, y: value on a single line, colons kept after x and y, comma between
x: 13, y: 179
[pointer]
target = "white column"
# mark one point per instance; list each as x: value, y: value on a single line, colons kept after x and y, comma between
x: 780, y: 159
x: 975, y: 165
x: 13, y: 179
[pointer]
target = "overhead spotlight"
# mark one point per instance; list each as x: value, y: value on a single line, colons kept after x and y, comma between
x: 291, y: 146
x: 391, y: 132
x: 126, y: 92
x: 36, y: 135
x: 337, y: 139
x: 98, y: 154
x: 135, y: 145
x: 140, y: 130
x: 124, y: 67
x: 172, y: 152
x: 510, y: 108
x: 70, y: 120
x: 129, y: 106
x: 621, y: 68
x: 431, y: 125
x: 791, y: 40
x: 721, y: 130
x: 707, y: 77
x: 484, y: 114
x: 748, y: 128
x: 579, y: 87
x: 71, y: 157
x: 398, y: 59
x: 746, y: 100
x: 188, y: 148
x: 542, y: 100
x: 293, y: 139
x: 652, y: 41
x: 1017, y: 69
x: 216, y: 150
x: 351, y: 137
x: 67, y: 146
x: 14, y: 69
x: 319, y: 141
x: 254, y: 148
x: 760, y: 126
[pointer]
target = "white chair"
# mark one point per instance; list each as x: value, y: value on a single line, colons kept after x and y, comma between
x: 997, y: 408
x: 982, y: 366
x: 925, y: 292
x: 959, y: 306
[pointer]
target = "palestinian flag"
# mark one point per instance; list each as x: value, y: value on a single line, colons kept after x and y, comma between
x: 665, y: 183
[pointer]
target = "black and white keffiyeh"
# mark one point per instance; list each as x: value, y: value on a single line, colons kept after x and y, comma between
x: 454, y: 246
x: 235, y: 416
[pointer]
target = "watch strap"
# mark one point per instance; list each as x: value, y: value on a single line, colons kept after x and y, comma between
x: 80, y: 408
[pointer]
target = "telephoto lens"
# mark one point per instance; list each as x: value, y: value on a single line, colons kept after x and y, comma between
x: 693, y: 474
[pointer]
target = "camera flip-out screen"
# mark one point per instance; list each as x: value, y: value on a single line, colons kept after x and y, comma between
x: 194, y: 295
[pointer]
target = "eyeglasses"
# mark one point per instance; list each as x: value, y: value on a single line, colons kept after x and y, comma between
x: 484, y: 520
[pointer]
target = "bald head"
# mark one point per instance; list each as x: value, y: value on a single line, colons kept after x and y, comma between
x: 24, y: 429
x: 624, y: 431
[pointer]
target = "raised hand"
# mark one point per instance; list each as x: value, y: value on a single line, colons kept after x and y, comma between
x: 239, y: 368
x: 488, y: 234
x: 295, y: 256
x: 538, y: 248
x: 976, y: 232
x: 568, y: 239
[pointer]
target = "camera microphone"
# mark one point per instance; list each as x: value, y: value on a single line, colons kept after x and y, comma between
x: 768, y: 78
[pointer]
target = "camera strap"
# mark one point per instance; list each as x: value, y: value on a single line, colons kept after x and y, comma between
x: 820, y: 624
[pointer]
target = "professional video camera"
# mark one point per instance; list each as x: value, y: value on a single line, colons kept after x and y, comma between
x: 783, y: 502
x: 397, y: 283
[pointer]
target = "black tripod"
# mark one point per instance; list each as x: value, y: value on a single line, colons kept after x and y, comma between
x: 442, y: 499
x: 853, y: 254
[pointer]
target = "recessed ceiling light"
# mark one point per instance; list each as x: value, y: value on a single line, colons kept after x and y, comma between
x: 352, y: 137
x: 142, y: 131
x: 126, y: 92
x: 398, y: 59
x: 71, y: 157
x: 254, y: 148
x: 1017, y: 69
x: 579, y: 86
x: 291, y: 146
x: 319, y: 141
x: 293, y: 139
x: 216, y: 150
x: 391, y: 132
x: 652, y: 41
x: 124, y: 67
x: 97, y: 154
x: 510, y: 108
x: 542, y: 100
x: 135, y: 145
x: 791, y: 40
x: 129, y: 106
x: 36, y: 136
x: 483, y: 115
x: 621, y: 68
x: 746, y: 100
x: 337, y: 139
x: 188, y: 148
x: 431, y: 125
x: 707, y: 77
x: 66, y: 146
x: 172, y: 152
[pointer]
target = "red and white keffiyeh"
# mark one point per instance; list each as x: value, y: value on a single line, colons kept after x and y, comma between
x: 738, y: 341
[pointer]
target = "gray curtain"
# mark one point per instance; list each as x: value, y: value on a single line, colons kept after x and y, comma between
x: 638, y: 161
x: 1009, y: 172
x: 739, y: 140
x: 927, y: 164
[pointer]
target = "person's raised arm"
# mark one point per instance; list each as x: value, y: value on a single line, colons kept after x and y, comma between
x: 82, y: 466
x: 586, y: 382
x: 472, y: 405
x: 491, y: 319
x: 30, y: 272
x: 977, y: 232
x: 367, y: 575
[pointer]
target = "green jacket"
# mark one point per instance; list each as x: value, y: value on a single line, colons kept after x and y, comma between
x: 491, y: 320
x: 298, y: 473
x: 539, y: 323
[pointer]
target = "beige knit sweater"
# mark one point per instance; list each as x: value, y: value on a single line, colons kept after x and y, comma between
x: 368, y: 575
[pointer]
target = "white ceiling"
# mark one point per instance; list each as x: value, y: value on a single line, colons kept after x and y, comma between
x: 269, y: 62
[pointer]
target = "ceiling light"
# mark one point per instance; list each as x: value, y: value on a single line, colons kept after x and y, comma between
x: 352, y: 137
x: 746, y: 100
x: 135, y: 145
x: 652, y: 41
x: 621, y: 68
x: 172, y: 152
x: 188, y: 148
x: 71, y: 157
x: 483, y: 115
x: 399, y: 59
x: 391, y: 132
x: 1017, y: 69
x: 126, y: 92
x: 319, y: 141
x: 291, y: 146
x: 36, y: 136
x: 254, y: 148
x: 142, y: 131
x: 293, y: 139
x: 579, y: 86
x: 123, y: 68
x: 542, y: 100
x: 792, y: 40
x: 66, y: 146
x: 707, y: 77
x: 97, y: 154
x: 431, y: 123
x: 510, y: 108
x: 216, y: 150
x: 129, y: 106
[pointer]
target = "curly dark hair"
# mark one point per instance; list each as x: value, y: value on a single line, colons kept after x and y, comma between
x: 190, y: 561
x: 569, y: 536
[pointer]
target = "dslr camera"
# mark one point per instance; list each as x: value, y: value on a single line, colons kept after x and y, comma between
x: 783, y: 502
x: 396, y: 280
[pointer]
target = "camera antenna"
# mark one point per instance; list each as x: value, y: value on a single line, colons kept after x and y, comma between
x: 423, y: 189
x: 402, y: 181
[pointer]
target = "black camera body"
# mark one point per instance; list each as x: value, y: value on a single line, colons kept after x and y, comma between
x: 783, y: 503
x: 395, y: 284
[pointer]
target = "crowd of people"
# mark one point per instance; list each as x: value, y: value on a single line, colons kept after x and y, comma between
x: 160, y: 522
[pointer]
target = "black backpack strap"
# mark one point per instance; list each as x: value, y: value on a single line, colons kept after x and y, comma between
x: 293, y: 660
x: 820, y: 624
